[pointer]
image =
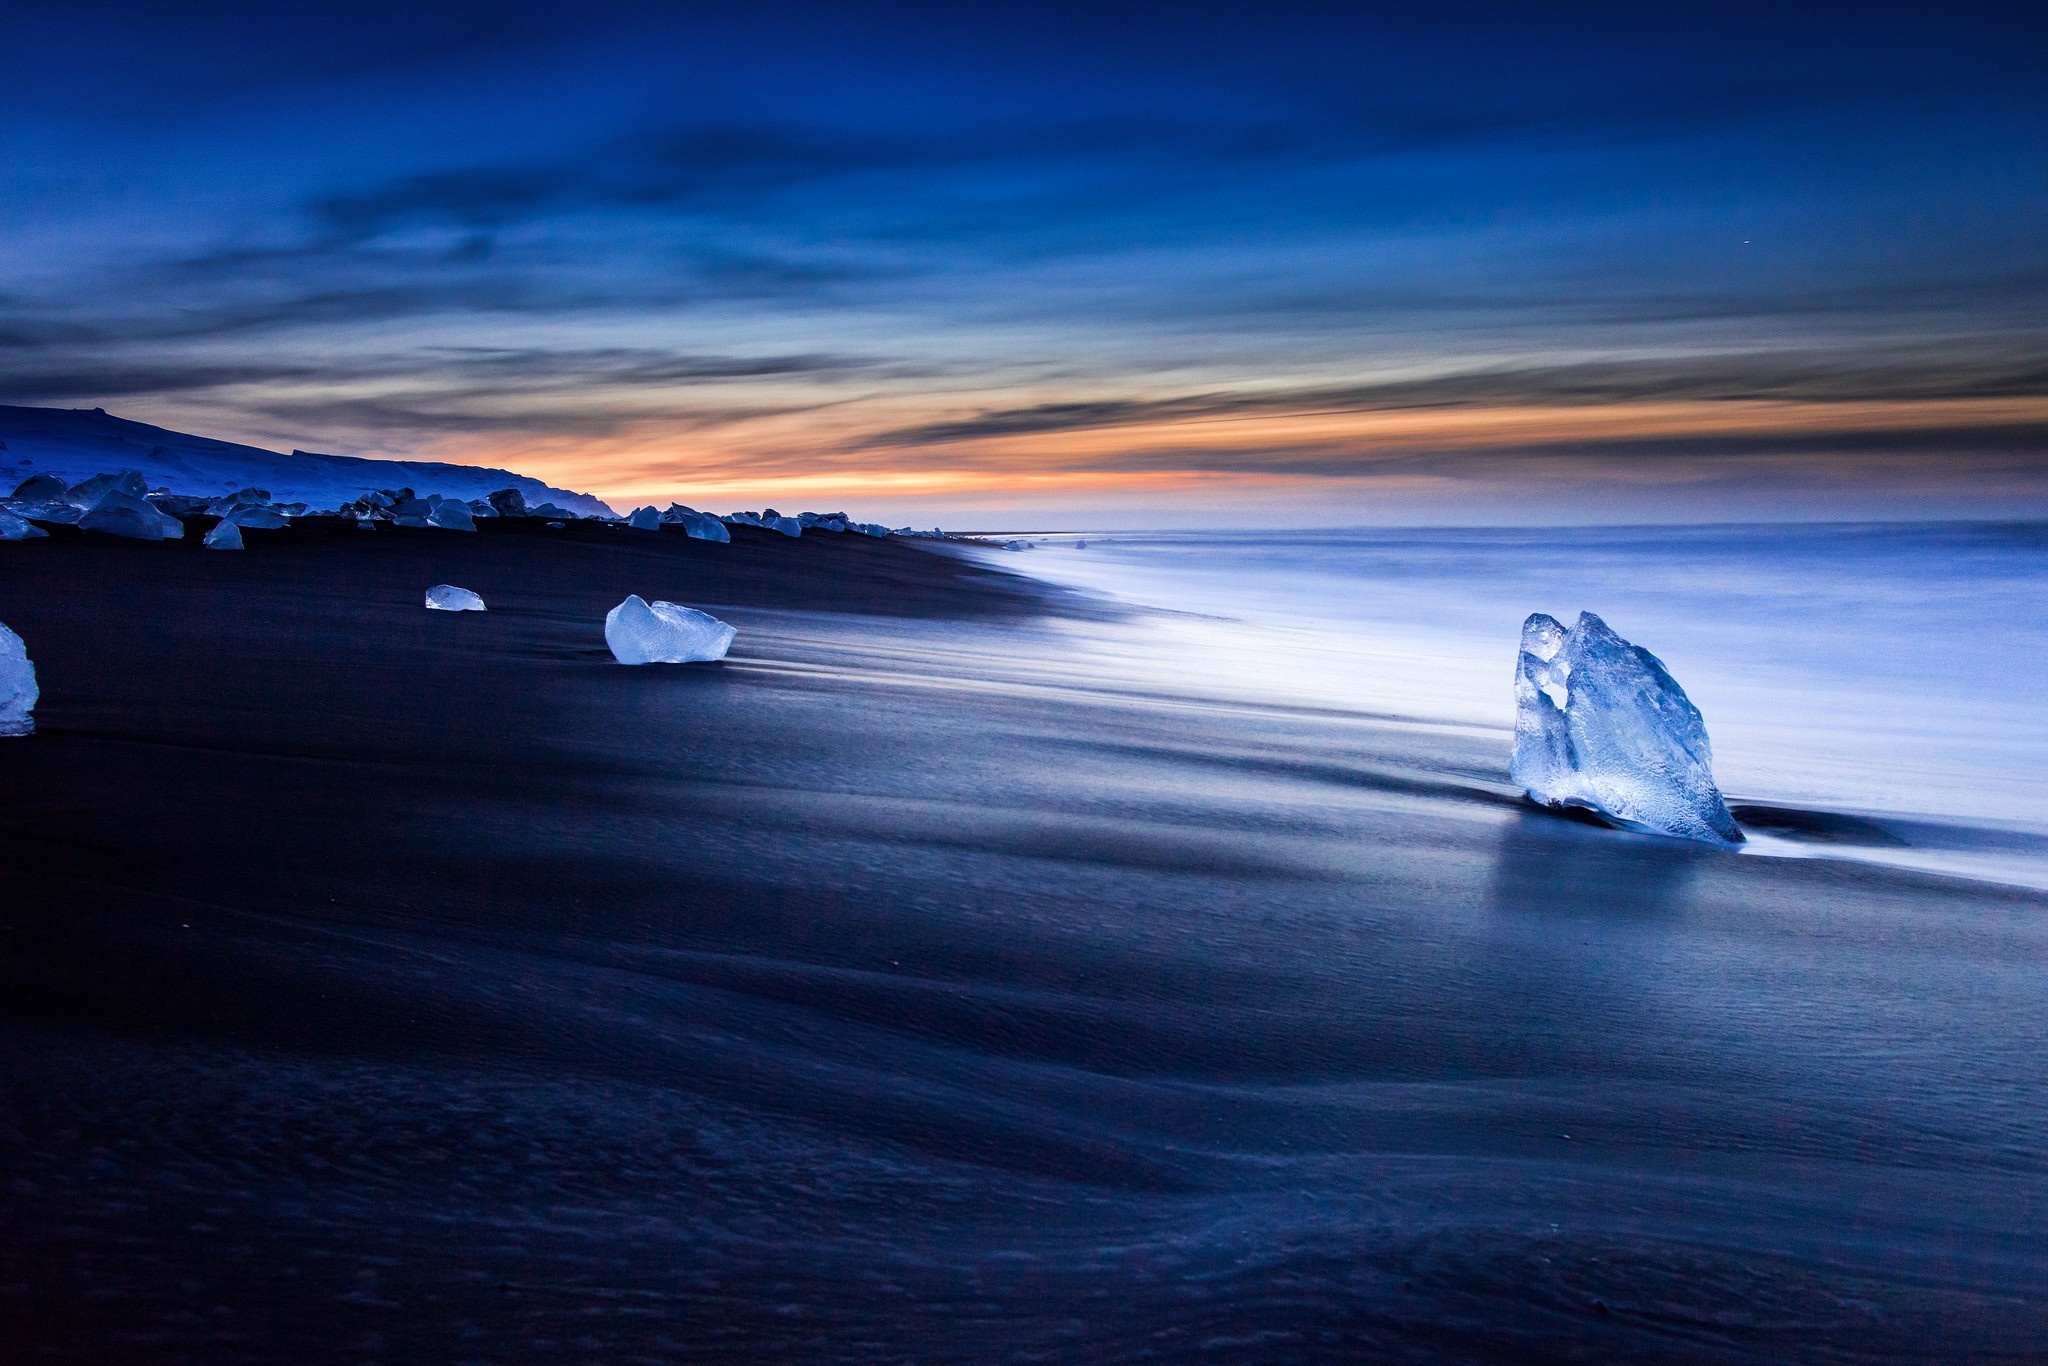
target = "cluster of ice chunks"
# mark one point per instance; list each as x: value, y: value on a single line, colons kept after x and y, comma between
x: 512, y: 503
x: 403, y: 507
x: 770, y: 520
x: 807, y: 521
x: 640, y: 632
x: 112, y: 504
x: 1600, y: 725
x: 121, y: 504
x: 839, y: 521
x: 446, y: 597
x: 18, y: 690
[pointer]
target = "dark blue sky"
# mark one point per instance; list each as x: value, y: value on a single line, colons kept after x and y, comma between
x: 1191, y: 261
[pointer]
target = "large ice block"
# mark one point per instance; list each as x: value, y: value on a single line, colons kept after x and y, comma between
x: 18, y: 690
x: 226, y: 535
x: 1602, y: 726
x: 640, y: 632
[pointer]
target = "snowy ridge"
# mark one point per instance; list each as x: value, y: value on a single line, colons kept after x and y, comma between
x: 77, y: 443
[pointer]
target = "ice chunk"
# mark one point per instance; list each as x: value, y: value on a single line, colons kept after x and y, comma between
x: 412, y: 512
x: 41, y: 488
x: 87, y: 492
x: 119, y: 513
x: 446, y: 597
x: 1601, y: 726
x: 260, y: 516
x: 240, y: 498
x: 644, y: 519
x: 509, y: 502
x: 640, y: 632
x: 698, y: 526
x: 18, y: 690
x: 177, y: 504
x: 226, y: 535
x: 44, y: 510
x: 13, y: 528
x: 451, y: 514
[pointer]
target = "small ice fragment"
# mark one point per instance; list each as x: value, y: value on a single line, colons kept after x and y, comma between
x: 1016, y: 545
x: 225, y: 536
x: 13, y: 528
x: 1600, y: 725
x: 446, y: 597
x: 640, y: 632
x: 18, y: 690
x: 645, y: 519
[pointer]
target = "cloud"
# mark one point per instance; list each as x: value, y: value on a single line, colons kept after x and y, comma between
x: 1935, y: 449
x: 1756, y: 377
x: 441, y: 377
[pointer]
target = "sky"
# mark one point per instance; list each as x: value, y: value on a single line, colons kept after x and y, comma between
x: 1059, y: 266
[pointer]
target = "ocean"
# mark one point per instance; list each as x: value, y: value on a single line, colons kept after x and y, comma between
x: 1891, y: 670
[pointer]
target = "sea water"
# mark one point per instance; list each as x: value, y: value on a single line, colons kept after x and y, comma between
x: 1887, y: 669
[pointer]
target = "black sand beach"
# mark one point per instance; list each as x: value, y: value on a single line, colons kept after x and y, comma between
x: 385, y: 985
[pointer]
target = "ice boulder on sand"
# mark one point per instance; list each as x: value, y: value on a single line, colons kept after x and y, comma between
x: 225, y: 536
x: 1600, y: 725
x: 18, y: 691
x: 644, y: 519
x: 640, y: 632
x: 446, y: 597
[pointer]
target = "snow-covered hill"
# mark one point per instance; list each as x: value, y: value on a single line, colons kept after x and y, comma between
x: 76, y: 443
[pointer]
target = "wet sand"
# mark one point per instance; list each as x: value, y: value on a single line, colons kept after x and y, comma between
x: 378, y: 984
